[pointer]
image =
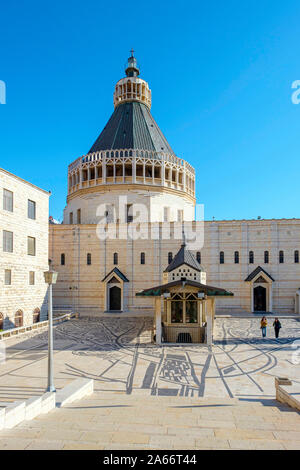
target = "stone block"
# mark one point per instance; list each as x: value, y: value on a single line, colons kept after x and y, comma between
x: 14, y: 414
x: 33, y: 407
x: 282, y: 381
x: 48, y: 402
x: 2, y: 418
x: 74, y: 391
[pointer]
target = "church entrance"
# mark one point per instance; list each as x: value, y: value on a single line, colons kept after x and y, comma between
x: 260, y: 299
x: 114, y: 298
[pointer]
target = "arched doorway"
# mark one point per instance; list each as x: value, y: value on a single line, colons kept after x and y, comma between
x: 115, y: 298
x: 18, y: 319
x: 1, y: 321
x: 36, y: 315
x: 260, y: 299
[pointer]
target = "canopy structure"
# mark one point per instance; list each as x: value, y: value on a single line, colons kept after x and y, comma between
x: 210, y: 291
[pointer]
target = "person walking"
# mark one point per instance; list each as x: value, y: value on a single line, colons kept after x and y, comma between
x: 277, y: 326
x: 263, y: 325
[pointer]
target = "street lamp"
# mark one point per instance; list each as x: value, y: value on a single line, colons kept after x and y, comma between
x: 50, y: 278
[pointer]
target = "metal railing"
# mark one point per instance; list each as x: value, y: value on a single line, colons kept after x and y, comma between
x: 184, y: 334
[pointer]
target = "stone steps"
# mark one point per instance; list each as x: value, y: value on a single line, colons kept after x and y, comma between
x: 109, y: 420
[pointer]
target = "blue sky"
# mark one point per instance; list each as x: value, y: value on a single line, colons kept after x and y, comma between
x: 220, y: 74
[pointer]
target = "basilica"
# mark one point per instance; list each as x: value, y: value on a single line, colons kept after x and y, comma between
x: 130, y: 203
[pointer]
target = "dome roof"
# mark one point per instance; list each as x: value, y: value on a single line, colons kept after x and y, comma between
x: 131, y: 126
x: 184, y: 256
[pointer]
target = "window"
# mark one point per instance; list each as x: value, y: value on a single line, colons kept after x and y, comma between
x: 296, y: 256
x: 236, y: 257
x: 1, y: 321
x: 166, y: 214
x: 191, y: 314
x: 170, y: 257
x: 19, y: 319
x: 62, y: 259
x: 129, y: 215
x: 221, y: 257
x: 71, y: 218
x: 115, y: 258
x: 281, y: 257
x: 89, y: 259
x: 36, y: 315
x: 8, y: 200
x: 31, y: 209
x: 79, y: 216
x: 31, y: 278
x: 8, y: 241
x: 31, y: 246
x: 251, y: 257
x: 176, y: 310
x: 198, y: 256
x: 7, y: 277
x: 142, y: 258
x: 266, y: 257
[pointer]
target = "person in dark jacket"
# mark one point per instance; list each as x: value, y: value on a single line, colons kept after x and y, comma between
x: 277, y: 326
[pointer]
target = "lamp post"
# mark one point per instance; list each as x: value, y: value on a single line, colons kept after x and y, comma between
x: 50, y: 278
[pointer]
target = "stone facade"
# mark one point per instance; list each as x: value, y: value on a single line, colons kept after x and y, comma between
x: 20, y: 290
x: 257, y: 260
x: 81, y: 287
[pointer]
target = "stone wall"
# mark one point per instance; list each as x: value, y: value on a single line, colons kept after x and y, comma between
x: 21, y: 295
x: 80, y: 286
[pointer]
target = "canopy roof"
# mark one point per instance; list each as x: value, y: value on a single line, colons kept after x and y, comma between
x: 131, y: 126
x: 184, y: 256
x: 118, y: 273
x: 256, y: 271
x: 160, y: 290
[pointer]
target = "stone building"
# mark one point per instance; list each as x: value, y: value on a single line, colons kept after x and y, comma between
x: 127, y: 200
x: 24, y: 212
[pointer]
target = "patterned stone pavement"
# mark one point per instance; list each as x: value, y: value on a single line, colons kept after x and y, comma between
x: 118, y: 355
x: 156, y: 398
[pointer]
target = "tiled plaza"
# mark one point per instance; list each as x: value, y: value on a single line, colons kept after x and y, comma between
x: 156, y: 398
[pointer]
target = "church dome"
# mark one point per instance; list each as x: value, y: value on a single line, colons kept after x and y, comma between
x: 131, y: 125
x: 130, y: 159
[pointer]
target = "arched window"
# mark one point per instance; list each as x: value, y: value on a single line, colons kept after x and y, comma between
x: 236, y: 257
x: 198, y: 256
x: 170, y: 257
x: 142, y: 258
x: 281, y: 257
x: 36, y: 315
x: 1, y: 321
x: 221, y: 257
x: 266, y: 257
x: 62, y: 259
x: 115, y: 258
x: 88, y: 258
x: 251, y: 257
x: 296, y: 256
x: 18, y: 319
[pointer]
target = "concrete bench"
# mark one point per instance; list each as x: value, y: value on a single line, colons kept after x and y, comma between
x: 74, y: 391
x: 288, y: 392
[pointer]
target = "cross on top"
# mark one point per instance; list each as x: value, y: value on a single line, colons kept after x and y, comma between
x: 132, y: 51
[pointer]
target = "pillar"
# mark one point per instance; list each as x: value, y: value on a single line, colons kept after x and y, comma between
x: 104, y: 170
x: 209, y: 327
x: 270, y: 298
x: 158, y: 319
x: 134, y: 169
